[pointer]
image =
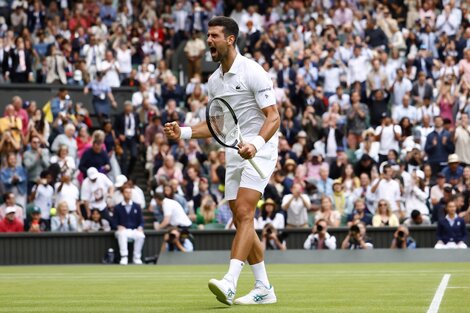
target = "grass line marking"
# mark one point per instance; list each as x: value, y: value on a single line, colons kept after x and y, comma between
x: 436, y: 301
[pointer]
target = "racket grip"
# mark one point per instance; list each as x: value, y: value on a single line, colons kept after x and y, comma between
x: 255, y: 166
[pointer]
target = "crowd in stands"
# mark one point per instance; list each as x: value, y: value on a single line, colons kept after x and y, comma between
x: 374, y: 98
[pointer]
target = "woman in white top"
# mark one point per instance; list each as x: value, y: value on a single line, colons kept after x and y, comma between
x: 332, y: 218
x: 124, y: 58
x: 65, y: 162
x: 269, y: 215
x: 63, y: 221
x: 417, y: 197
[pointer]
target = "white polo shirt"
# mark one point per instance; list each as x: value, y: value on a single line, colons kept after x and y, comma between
x: 248, y: 90
x: 175, y: 212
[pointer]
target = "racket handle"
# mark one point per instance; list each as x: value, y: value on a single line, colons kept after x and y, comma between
x: 255, y: 166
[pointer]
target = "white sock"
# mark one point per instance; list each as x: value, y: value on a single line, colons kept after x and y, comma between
x: 234, y: 270
x: 259, y: 270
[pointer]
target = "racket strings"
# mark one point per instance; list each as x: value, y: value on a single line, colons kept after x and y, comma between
x: 223, y: 124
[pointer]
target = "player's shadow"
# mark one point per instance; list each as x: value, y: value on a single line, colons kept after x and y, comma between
x: 213, y: 308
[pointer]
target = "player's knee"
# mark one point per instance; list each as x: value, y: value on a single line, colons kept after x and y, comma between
x: 244, y: 217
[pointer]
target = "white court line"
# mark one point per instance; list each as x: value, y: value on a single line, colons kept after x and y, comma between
x: 436, y: 301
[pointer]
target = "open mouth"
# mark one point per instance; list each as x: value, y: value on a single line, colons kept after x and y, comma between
x: 213, y: 50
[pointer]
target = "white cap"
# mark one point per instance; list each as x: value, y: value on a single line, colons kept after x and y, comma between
x: 77, y: 75
x: 92, y: 173
x: 120, y: 180
x: 10, y: 209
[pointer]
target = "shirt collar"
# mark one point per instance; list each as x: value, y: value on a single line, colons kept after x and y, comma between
x: 235, y: 66
x: 125, y: 204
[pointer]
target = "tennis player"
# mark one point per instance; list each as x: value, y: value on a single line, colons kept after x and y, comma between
x: 245, y: 85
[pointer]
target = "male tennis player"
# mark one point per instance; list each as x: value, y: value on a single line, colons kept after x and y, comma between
x: 245, y: 85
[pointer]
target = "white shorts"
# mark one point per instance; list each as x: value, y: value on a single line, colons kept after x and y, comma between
x: 240, y: 173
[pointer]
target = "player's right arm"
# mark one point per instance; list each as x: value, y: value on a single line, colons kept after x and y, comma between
x: 198, y: 131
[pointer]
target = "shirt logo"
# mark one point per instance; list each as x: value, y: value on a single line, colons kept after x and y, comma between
x: 238, y: 87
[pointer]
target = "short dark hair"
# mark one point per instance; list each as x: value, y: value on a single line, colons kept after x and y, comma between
x: 229, y: 25
x: 159, y: 196
x: 415, y: 214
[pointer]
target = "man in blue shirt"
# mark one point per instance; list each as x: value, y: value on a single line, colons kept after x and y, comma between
x: 453, y: 172
x: 130, y: 226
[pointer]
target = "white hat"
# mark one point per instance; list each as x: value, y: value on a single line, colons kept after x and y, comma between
x: 77, y: 75
x: 92, y: 173
x: 10, y: 209
x: 453, y: 158
x: 120, y: 180
x: 420, y: 174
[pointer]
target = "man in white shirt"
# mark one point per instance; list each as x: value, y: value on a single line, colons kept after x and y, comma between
x: 388, y: 135
x: 401, y: 86
x: 247, y: 86
x: 341, y: 98
x: 137, y: 193
x: 405, y: 110
x: 97, y: 188
x: 385, y: 188
x: 447, y: 22
x: 296, y: 205
x: 111, y: 69
x: 66, y: 191
x: 331, y: 73
x: 358, y: 66
x: 173, y: 213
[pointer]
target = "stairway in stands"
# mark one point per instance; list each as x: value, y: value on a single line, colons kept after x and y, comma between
x: 140, y: 179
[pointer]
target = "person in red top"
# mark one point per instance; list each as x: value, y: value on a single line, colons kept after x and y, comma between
x: 10, y: 224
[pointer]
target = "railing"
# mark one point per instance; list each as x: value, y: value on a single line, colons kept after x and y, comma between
x: 82, y: 248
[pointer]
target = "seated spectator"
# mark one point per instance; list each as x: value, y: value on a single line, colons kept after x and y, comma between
x: 130, y: 226
x: 9, y: 200
x: 34, y: 222
x: 67, y: 139
x: 359, y: 214
x: 417, y: 196
x: 417, y: 219
x: 176, y: 240
x: 95, y: 157
x: 270, y: 215
x: 64, y: 160
x: 402, y: 239
x: 42, y: 195
x: 437, y: 191
x: 451, y: 230
x: 66, y: 190
x: 332, y: 218
x: 10, y: 224
x: 96, y: 189
x: 206, y: 213
x: 271, y: 239
x: 137, y: 193
x: 63, y: 221
x: 339, y: 197
x: 296, y: 206
x: 14, y: 178
x: 384, y: 215
x: 96, y: 223
x: 320, y: 239
x: 173, y: 213
x: 356, y: 238
x: 453, y: 172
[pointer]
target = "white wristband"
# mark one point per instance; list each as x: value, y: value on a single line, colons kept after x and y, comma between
x: 186, y: 132
x: 258, y: 142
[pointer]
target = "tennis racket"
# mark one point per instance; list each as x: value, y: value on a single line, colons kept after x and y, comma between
x: 223, y: 125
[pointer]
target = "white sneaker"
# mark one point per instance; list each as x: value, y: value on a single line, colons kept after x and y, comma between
x: 137, y: 261
x: 259, y: 295
x: 124, y: 260
x: 223, y: 289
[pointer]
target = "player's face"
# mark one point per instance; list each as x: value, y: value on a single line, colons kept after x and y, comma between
x: 218, y: 43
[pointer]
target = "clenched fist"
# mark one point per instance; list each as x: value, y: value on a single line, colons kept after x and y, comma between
x: 172, y: 130
x: 246, y: 151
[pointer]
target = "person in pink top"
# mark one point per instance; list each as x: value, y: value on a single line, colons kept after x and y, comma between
x: 21, y: 113
x: 446, y: 101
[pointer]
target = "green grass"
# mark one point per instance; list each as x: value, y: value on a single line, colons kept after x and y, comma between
x: 332, y: 288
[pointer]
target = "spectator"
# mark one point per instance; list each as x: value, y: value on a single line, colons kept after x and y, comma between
x: 14, y: 179
x: 128, y: 129
x: 421, y: 90
x: 194, y: 50
x: 461, y: 138
x: 96, y: 223
x: 320, y: 239
x: 418, y: 195
x: 438, y: 146
x: 35, y: 160
x: 405, y: 110
x: 175, y: 240
x: 110, y: 69
x: 9, y: 200
x: 173, y: 213
x: 417, y: 219
x: 271, y: 239
x: 359, y: 214
x: 389, y: 136
x: 384, y: 215
x: 20, y: 70
x: 137, y: 193
x: 387, y: 189
x: 130, y: 226
x: 95, y: 157
x: 34, y: 222
x: 453, y: 172
x: 66, y: 190
x: 103, y: 97
x: 206, y: 213
x: 56, y: 67
x: 325, y: 183
x: 451, y: 230
x: 357, y: 238
x: 63, y: 221
x: 96, y: 189
x: 270, y: 215
x: 327, y: 213
x: 64, y: 161
x: 296, y: 206
x: 67, y: 139
x: 10, y: 224
x: 402, y: 239
x: 42, y: 194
